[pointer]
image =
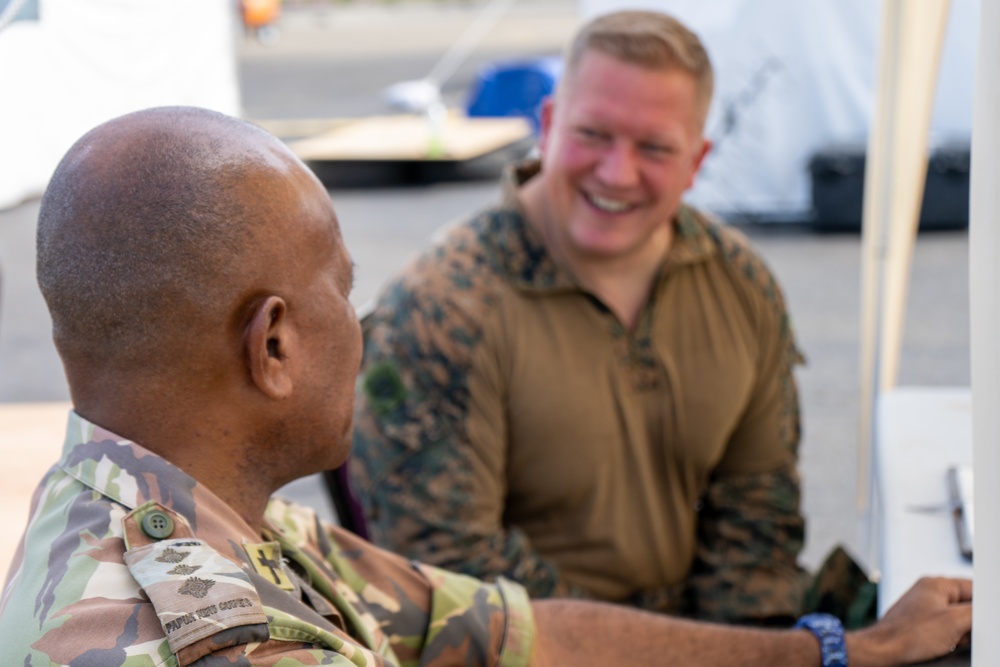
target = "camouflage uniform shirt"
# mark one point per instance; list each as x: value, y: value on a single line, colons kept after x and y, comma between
x: 507, y: 424
x: 129, y: 561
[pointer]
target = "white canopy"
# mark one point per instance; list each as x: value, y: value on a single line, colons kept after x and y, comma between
x: 86, y: 61
x: 794, y: 77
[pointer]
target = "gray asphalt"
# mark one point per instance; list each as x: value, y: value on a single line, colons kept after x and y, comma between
x: 335, y: 61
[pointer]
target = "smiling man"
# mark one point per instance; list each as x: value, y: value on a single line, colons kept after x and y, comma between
x: 588, y: 388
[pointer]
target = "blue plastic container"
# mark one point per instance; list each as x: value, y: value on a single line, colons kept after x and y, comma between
x: 514, y: 88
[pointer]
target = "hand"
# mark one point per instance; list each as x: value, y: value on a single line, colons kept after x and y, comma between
x: 932, y: 619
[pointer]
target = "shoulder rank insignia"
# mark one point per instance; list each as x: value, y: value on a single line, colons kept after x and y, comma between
x: 203, y: 600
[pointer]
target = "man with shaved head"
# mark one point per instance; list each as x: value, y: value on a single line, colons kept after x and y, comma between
x: 198, y: 287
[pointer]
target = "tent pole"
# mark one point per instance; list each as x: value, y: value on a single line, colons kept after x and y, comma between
x: 984, y: 277
x: 896, y: 165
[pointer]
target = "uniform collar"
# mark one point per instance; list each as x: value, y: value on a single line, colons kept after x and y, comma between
x: 531, y: 267
x: 131, y: 475
x: 523, y: 255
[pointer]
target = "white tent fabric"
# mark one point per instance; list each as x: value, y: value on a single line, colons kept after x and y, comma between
x: 794, y: 77
x: 86, y: 61
x: 984, y: 270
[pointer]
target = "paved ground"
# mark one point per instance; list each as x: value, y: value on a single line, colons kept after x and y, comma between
x: 337, y: 61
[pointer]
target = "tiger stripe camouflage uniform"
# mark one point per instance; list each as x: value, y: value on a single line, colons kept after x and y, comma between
x: 507, y: 424
x: 127, y: 560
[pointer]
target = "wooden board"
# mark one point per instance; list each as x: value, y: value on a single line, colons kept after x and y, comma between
x: 409, y: 137
x: 297, y: 128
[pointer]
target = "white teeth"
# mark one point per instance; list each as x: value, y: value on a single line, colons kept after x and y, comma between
x: 609, y: 205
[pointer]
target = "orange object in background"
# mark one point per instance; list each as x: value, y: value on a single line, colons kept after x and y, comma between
x: 260, y: 13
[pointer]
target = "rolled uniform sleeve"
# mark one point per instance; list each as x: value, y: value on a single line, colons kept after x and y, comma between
x: 750, y: 528
x: 493, y: 622
x: 429, y: 616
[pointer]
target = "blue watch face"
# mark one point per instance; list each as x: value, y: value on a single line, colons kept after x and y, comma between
x: 829, y: 632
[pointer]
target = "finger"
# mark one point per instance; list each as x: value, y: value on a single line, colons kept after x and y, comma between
x: 960, y: 619
x: 945, y: 633
x: 964, y: 587
x: 960, y: 590
x: 954, y: 590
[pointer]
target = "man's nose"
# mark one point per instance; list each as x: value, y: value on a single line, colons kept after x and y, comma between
x: 619, y: 165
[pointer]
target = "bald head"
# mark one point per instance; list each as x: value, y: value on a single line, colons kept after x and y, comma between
x: 151, y: 228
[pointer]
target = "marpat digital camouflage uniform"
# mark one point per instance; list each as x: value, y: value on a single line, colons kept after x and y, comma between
x: 127, y: 560
x: 507, y: 424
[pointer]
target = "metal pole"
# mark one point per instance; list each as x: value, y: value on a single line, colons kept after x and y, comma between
x: 984, y: 277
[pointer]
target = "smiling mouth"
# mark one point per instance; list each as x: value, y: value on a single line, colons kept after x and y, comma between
x: 608, y: 205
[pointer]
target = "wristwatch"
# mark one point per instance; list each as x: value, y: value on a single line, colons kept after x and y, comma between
x: 829, y: 632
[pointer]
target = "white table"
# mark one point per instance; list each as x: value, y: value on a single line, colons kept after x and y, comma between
x: 920, y: 432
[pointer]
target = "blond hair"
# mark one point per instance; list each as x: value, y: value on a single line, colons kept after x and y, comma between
x: 649, y: 39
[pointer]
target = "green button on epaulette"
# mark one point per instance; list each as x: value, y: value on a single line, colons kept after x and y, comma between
x: 157, y: 525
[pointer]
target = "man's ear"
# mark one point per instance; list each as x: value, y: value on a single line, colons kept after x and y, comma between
x: 268, y: 344
x: 699, y: 160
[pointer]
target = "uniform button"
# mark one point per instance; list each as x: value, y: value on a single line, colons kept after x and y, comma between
x: 157, y: 525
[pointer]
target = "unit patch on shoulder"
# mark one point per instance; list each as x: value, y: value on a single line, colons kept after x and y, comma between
x: 267, y: 561
x: 193, y: 607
